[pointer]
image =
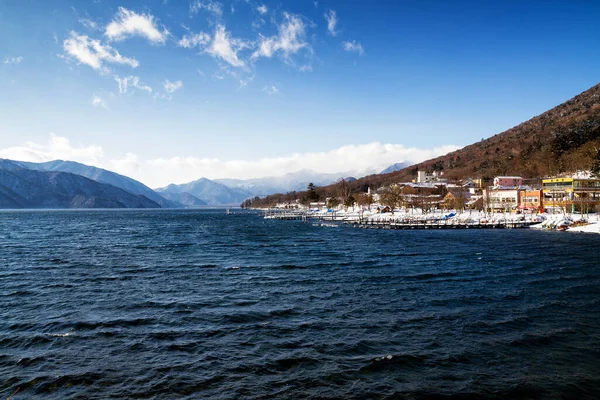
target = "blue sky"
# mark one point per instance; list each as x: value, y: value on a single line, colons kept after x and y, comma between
x: 169, y: 91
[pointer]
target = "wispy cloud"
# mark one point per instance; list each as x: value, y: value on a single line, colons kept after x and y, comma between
x: 93, y: 53
x: 331, y: 18
x: 262, y: 9
x: 271, y: 90
x: 128, y: 23
x: 171, y: 87
x: 98, y: 101
x: 89, y: 24
x: 192, y: 40
x: 129, y: 82
x: 13, y: 60
x: 213, y: 7
x: 354, y: 46
x: 226, y: 48
x: 291, y: 38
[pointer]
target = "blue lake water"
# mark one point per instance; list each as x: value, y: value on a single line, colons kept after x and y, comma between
x: 199, y: 304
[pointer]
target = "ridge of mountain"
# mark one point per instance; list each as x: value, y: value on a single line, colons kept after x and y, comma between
x: 103, y: 176
x: 29, y: 188
x: 564, y: 139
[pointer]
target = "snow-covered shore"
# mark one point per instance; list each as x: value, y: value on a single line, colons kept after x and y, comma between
x: 590, y: 223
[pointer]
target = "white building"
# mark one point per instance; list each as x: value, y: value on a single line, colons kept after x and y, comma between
x: 501, y: 199
x: 435, y: 176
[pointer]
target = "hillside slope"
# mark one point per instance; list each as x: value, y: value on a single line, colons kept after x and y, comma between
x: 25, y: 188
x: 562, y: 140
x: 102, y: 176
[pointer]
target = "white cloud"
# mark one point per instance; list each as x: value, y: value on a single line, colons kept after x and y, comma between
x: 331, y: 18
x: 13, y: 60
x: 271, y: 89
x: 213, y: 7
x: 262, y: 9
x: 56, y: 148
x: 192, y: 40
x: 353, y: 46
x: 131, y: 82
x: 159, y: 172
x: 97, y: 101
x: 226, y: 48
x: 129, y: 165
x: 171, y: 87
x: 89, y: 24
x: 128, y: 23
x: 290, y: 39
x: 93, y: 53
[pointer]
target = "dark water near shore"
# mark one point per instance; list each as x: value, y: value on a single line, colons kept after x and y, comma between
x: 182, y: 304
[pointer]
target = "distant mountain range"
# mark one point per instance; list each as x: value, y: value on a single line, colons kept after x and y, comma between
x: 55, y: 184
x: 235, y: 191
x: 210, y: 192
x: 295, y: 181
x: 21, y: 187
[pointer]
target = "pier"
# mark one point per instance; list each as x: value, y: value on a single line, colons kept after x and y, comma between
x: 397, y: 224
x: 447, y: 224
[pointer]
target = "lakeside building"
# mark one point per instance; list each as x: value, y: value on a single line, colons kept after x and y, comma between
x: 571, y: 194
x: 426, y: 177
x: 457, y: 198
x: 501, y: 200
x: 532, y: 200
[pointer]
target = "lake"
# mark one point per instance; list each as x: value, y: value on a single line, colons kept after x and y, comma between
x: 199, y: 304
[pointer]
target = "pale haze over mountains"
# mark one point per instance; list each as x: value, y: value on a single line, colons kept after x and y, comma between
x: 160, y: 172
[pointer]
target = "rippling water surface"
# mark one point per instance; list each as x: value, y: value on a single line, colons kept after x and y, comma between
x: 199, y: 304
